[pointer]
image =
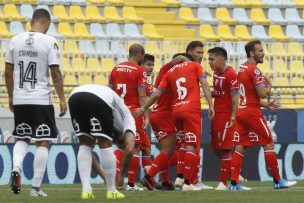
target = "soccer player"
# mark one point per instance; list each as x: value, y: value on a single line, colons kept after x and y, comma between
x: 250, y: 126
x: 29, y: 57
x: 165, y: 131
x: 196, y: 50
x: 225, y: 92
x: 98, y: 112
x: 128, y: 79
x: 182, y: 81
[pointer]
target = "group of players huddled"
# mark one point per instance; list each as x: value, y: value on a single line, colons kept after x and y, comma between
x: 119, y: 113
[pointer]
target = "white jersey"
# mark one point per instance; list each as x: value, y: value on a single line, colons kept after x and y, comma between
x: 123, y: 119
x: 32, y: 53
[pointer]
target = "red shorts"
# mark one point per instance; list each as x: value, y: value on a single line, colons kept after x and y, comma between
x: 145, y: 141
x: 162, y: 125
x: 189, y: 124
x: 251, y: 129
x: 221, y: 136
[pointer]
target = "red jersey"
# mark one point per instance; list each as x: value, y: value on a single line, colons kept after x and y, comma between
x: 223, y: 84
x: 249, y: 77
x: 164, y: 102
x: 126, y: 78
x: 149, y: 86
x: 183, y: 82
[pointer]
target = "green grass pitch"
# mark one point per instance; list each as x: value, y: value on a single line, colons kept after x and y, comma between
x: 262, y: 193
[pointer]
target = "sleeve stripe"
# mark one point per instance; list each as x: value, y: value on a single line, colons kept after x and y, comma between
x: 259, y: 84
x: 234, y: 91
x: 202, y: 76
x: 160, y: 89
x: 141, y: 86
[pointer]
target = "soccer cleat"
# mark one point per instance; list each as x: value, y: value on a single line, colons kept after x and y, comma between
x: 242, y: 179
x: 147, y: 182
x: 221, y: 186
x: 115, y: 195
x: 15, y: 182
x: 179, y: 182
x: 169, y: 186
x: 87, y: 195
x: 37, y: 193
x: 190, y: 188
x: 284, y: 184
x: 203, y: 186
x: 238, y: 187
x: 135, y: 188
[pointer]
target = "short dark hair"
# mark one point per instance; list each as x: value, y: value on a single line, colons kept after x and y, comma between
x: 192, y: 45
x: 41, y: 14
x: 136, y: 49
x: 219, y: 51
x: 148, y: 57
x: 250, y: 46
x: 183, y: 54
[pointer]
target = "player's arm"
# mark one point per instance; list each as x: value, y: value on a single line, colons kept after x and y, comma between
x: 9, y: 81
x: 263, y: 87
x: 207, y: 92
x: 234, y: 107
x: 273, y: 106
x: 152, y: 99
x: 58, y: 84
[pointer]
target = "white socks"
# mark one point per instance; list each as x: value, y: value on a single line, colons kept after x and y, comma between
x: 108, y: 163
x: 19, y: 152
x: 40, y: 162
x: 84, y: 159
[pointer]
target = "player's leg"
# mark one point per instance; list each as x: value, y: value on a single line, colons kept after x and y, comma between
x: 145, y: 149
x: 96, y: 167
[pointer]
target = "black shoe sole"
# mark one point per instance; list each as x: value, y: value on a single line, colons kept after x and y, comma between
x: 15, y: 187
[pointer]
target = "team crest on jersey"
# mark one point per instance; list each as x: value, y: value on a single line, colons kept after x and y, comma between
x: 29, y: 41
x: 149, y: 81
x: 145, y: 74
x: 257, y: 72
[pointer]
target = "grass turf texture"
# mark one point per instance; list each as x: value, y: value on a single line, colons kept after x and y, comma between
x: 262, y: 192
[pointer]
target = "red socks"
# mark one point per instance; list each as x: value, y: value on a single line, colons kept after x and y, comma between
x: 119, y: 155
x: 196, y: 169
x: 236, y: 166
x: 173, y: 159
x: 225, y: 167
x: 180, y: 160
x: 272, y: 164
x: 160, y: 163
x: 189, y: 166
x: 133, y: 169
x: 146, y: 161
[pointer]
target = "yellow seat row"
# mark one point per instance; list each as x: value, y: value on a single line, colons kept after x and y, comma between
x: 10, y: 12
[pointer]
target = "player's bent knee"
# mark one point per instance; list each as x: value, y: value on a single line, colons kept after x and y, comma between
x: 104, y: 142
x: 44, y: 143
x: 269, y: 146
x: 85, y: 140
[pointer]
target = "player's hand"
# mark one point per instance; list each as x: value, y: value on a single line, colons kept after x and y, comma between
x: 10, y: 103
x: 211, y: 112
x: 119, y: 180
x: 145, y: 125
x: 232, y: 119
x: 138, y: 112
x: 267, y: 81
x: 63, y: 108
x: 273, y: 106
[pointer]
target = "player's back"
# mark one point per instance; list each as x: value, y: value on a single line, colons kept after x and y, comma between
x: 126, y: 78
x: 32, y: 53
x: 249, y: 77
x: 184, y: 83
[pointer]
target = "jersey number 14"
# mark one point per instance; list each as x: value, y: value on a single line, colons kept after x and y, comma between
x: 28, y: 75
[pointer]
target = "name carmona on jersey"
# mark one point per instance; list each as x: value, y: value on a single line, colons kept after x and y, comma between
x: 125, y: 68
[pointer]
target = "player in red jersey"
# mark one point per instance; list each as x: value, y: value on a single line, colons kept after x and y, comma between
x: 182, y: 81
x: 128, y: 80
x: 225, y: 92
x: 250, y: 125
x: 165, y: 131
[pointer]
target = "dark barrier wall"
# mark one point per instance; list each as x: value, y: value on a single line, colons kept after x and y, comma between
x: 62, y: 166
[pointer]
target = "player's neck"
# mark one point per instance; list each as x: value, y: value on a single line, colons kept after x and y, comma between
x: 252, y: 61
x: 222, y: 69
x: 133, y: 60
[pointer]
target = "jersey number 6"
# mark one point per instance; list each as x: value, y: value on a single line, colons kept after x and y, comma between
x: 181, y: 91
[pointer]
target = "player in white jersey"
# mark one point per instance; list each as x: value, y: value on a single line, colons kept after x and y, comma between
x: 98, y: 112
x: 29, y: 57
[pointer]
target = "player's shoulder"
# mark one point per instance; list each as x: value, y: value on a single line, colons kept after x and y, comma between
x: 231, y: 71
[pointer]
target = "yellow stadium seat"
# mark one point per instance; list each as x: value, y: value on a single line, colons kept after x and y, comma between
x: 85, y: 79
x: 287, y: 103
x: 178, y: 34
x: 99, y: 2
x: 186, y: 14
x: 66, y: 66
x: 259, y: 17
x: 93, y: 14
x: 223, y: 15
x: 284, y: 83
x: 82, y: 31
x: 278, y: 50
x: 100, y: 80
x: 65, y: 29
x: 296, y: 67
x: 78, y: 66
x: 265, y: 68
x: 94, y: 66
x: 276, y: 32
x: 296, y: 83
x: 241, y: 3
x: 152, y: 47
x: 3, y: 17
x: 295, y: 49
x: 170, y: 2
x: 77, y: 15
x: 299, y: 103
x: 12, y: 13
x: 71, y: 49
x: 107, y: 65
x: 28, y: 26
x: 149, y: 31
x: 30, y: 1
x: 115, y: 2
x: 206, y: 33
x: 280, y: 67
x: 256, y: 3
x: 129, y: 14
x: 111, y: 14
x: 241, y: 31
x: 4, y: 31
x: 224, y: 32
x: 299, y: 3
x: 70, y: 80
x: 61, y: 13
